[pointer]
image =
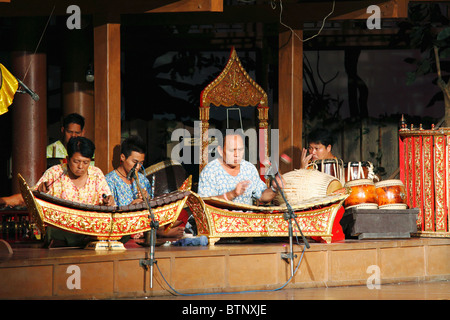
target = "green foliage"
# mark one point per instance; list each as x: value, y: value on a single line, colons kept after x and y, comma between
x: 426, y: 28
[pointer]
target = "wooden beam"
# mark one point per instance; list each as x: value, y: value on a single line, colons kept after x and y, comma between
x: 293, y: 14
x: 388, y: 9
x: 107, y: 95
x: 171, y: 6
x: 290, y: 97
x: 43, y: 8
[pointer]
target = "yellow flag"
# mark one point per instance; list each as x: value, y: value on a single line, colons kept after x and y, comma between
x: 8, y: 88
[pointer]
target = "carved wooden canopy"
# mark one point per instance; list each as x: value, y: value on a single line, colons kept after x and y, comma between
x: 233, y: 87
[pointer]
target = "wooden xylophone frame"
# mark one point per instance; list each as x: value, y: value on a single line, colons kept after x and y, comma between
x: 217, y: 218
x: 105, y: 223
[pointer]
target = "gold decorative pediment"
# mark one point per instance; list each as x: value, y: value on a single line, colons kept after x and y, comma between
x: 233, y: 87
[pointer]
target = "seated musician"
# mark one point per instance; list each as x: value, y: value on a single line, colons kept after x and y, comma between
x: 125, y: 191
x: 231, y: 177
x: 76, y: 181
x: 320, y: 143
x: 73, y: 126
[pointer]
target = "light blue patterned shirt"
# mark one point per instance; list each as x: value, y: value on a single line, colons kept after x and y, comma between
x: 124, y: 193
x: 215, y: 181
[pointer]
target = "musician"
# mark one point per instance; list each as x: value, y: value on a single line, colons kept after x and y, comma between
x: 73, y: 180
x: 320, y: 147
x: 124, y: 187
x: 76, y: 181
x: 232, y: 178
x: 73, y: 126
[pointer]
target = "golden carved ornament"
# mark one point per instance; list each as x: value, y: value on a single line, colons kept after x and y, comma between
x: 233, y: 87
x: 217, y: 218
x: 106, y: 224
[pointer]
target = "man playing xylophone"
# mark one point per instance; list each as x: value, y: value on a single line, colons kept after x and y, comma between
x: 232, y: 178
x: 124, y: 188
x: 76, y: 181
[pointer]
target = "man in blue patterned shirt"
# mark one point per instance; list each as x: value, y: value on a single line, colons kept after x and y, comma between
x: 125, y: 191
x: 232, y: 178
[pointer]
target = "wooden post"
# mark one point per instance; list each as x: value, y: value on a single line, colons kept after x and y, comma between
x: 290, y: 99
x: 29, y: 117
x: 78, y: 94
x: 107, y: 90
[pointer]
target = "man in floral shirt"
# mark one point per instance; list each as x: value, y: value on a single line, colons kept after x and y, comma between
x: 231, y: 177
x: 75, y: 181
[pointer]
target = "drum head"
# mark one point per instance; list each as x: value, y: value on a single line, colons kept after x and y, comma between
x: 357, y: 164
x: 333, y: 186
x: 328, y: 161
x: 167, y: 175
x: 388, y: 183
x: 359, y: 182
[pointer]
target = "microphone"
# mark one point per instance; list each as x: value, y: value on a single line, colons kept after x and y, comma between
x: 285, y: 158
x: 33, y: 94
x: 132, y: 171
x: 272, y: 169
x: 269, y: 169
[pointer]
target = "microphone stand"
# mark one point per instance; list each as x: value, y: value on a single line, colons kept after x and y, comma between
x: 154, y: 225
x: 289, y: 216
x: 33, y: 94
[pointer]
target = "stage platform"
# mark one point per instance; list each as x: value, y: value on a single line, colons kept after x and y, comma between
x: 36, y: 273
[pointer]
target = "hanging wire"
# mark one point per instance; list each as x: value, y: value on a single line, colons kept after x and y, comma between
x: 175, y: 292
x: 39, y: 42
x: 274, y: 6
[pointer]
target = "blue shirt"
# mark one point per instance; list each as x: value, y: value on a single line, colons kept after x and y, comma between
x: 124, y: 193
x: 215, y: 181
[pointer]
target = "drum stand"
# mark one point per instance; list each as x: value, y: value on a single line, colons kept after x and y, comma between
x: 154, y: 225
x: 289, y: 215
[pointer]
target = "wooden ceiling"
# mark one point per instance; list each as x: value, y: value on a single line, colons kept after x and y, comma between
x: 294, y: 11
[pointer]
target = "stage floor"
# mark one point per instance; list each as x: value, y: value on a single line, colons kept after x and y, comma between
x: 36, y: 273
x: 436, y: 290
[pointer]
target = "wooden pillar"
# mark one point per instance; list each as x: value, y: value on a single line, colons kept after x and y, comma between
x: 107, y: 90
x: 29, y: 117
x: 78, y: 94
x: 290, y: 97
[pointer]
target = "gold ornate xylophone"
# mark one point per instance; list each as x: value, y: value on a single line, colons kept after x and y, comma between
x: 217, y: 218
x: 106, y: 223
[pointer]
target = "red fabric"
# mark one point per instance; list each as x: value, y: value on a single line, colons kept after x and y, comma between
x: 184, y: 216
x: 338, y: 233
